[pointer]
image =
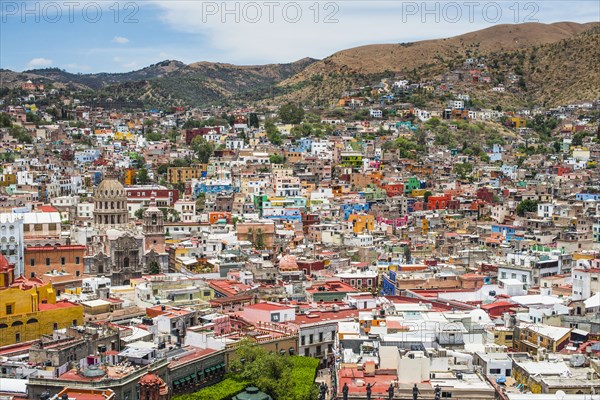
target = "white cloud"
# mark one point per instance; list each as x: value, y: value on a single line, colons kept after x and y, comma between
x: 120, y: 40
x: 39, y: 62
x: 254, y: 33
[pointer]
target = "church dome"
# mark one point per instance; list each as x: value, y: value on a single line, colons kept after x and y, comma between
x: 109, y: 189
x: 110, y: 204
x: 288, y: 263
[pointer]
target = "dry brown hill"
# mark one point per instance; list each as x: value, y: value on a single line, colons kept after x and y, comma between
x: 402, y: 57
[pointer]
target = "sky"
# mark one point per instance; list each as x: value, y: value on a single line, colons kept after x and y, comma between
x: 118, y: 36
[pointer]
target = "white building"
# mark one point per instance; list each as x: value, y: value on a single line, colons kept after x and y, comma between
x: 11, y: 240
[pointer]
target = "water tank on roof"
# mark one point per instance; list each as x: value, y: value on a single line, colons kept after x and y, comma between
x: 577, y: 360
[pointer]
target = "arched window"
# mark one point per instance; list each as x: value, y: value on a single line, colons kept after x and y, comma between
x: 17, y: 323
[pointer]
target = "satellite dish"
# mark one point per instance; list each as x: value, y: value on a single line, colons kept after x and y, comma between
x: 560, y: 394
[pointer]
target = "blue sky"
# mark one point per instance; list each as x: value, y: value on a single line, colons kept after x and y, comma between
x: 77, y: 38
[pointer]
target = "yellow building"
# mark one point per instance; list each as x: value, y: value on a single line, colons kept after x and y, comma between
x: 361, y: 223
x: 503, y: 336
x: 176, y: 175
x: 28, y: 309
x: 533, y: 337
x: 127, y: 136
x: 8, y: 179
x: 130, y: 175
x: 518, y: 122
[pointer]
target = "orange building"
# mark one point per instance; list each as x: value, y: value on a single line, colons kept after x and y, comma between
x: 130, y: 175
x: 438, y: 202
x: 214, y: 217
x: 362, y: 222
x: 40, y: 260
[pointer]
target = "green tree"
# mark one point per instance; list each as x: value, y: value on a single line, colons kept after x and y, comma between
x: 192, y: 123
x: 420, y: 137
x: 433, y: 123
x: 153, y: 136
x: 578, y: 139
x: 21, y: 134
x: 142, y: 177
x: 281, y: 376
x: 463, y: 170
x: 273, y: 133
x: 426, y: 196
x: 276, y: 159
x: 526, y: 206
x: 154, y: 268
x: 253, y: 120
x: 203, y: 149
x: 139, y: 213
x: 5, y: 121
x: 201, y: 201
x: 291, y: 114
x: 260, y: 240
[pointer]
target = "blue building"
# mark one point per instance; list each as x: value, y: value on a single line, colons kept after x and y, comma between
x: 217, y: 188
x: 508, y: 231
x: 388, y: 283
x: 354, y: 208
x: 587, y: 196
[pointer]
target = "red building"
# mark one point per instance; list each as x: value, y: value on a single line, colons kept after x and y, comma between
x: 438, y: 202
x: 190, y: 134
x: 394, y: 189
x: 308, y: 266
x: 486, y: 195
x: 164, y: 197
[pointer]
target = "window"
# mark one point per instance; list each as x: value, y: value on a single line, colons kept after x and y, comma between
x: 495, y: 371
x: 320, y: 336
x: 446, y: 395
x: 47, y: 261
x: 10, y: 309
x: 55, y: 326
x: 17, y: 337
x: 306, y: 352
x: 303, y: 340
x: 311, y: 338
x: 508, y: 337
x: 77, y: 273
x: 62, y: 261
x: 32, y: 262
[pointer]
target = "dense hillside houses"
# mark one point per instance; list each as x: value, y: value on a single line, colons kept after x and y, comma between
x: 411, y: 236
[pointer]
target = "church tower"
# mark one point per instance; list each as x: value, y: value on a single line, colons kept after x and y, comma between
x: 154, y: 228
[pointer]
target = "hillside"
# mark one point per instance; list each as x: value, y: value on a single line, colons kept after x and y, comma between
x: 422, y: 60
x: 168, y: 81
x: 556, y: 62
x: 91, y: 81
